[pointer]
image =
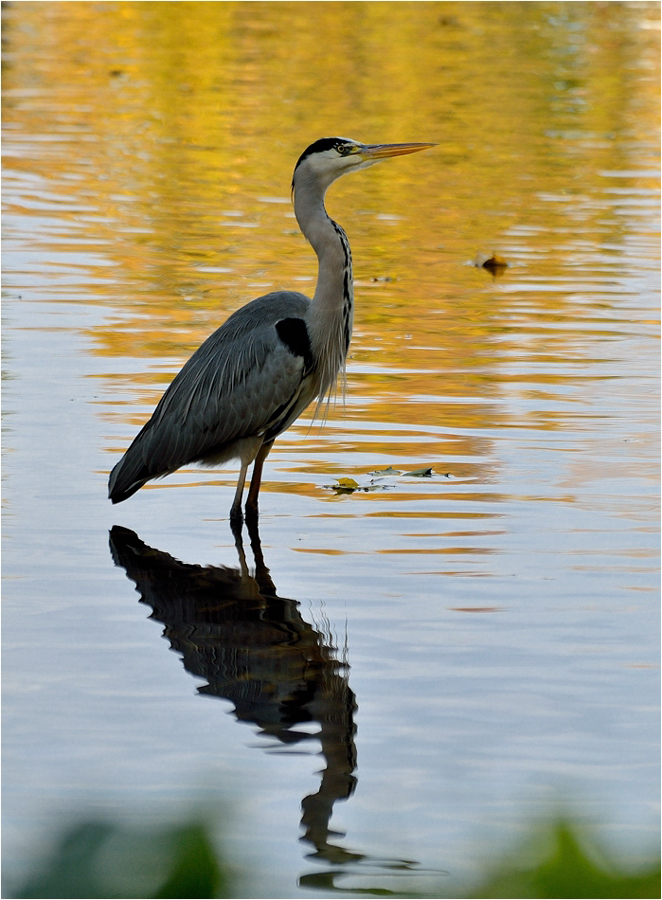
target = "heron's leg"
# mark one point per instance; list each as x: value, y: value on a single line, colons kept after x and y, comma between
x: 235, y: 511
x: 256, y: 480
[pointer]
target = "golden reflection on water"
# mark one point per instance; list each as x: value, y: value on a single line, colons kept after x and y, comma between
x: 171, y: 129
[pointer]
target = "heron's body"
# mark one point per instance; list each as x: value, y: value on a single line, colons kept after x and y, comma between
x: 254, y: 376
x: 262, y: 383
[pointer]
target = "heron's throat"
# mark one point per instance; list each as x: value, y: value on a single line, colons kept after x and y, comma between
x: 332, y: 309
x: 331, y: 312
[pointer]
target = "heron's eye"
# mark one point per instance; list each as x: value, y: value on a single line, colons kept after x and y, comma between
x: 343, y: 149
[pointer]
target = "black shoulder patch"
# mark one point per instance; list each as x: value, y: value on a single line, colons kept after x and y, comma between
x: 294, y: 334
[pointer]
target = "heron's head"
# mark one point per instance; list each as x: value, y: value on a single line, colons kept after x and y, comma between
x: 329, y: 158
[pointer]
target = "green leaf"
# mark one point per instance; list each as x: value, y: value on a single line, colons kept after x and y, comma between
x: 195, y: 871
x: 567, y: 871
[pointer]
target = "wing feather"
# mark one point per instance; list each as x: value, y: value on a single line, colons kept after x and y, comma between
x: 241, y: 382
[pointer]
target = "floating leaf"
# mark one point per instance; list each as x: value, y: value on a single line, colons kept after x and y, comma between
x: 420, y: 473
x: 389, y: 470
x: 495, y: 262
x: 344, y: 486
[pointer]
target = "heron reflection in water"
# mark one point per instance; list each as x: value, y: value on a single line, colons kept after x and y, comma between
x: 255, y: 649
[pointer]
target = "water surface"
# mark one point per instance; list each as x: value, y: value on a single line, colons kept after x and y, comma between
x: 467, y: 649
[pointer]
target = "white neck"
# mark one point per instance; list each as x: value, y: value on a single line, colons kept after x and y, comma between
x: 331, y: 312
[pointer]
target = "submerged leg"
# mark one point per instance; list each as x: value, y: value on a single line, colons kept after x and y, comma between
x: 237, y: 525
x: 262, y: 576
x: 249, y: 588
x: 256, y: 480
x: 235, y: 511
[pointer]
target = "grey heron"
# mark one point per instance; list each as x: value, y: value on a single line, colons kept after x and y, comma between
x: 255, y: 375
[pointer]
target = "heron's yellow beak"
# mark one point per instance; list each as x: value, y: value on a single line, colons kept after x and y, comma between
x: 381, y: 151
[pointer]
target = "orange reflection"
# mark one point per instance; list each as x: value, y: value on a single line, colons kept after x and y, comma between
x: 173, y: 128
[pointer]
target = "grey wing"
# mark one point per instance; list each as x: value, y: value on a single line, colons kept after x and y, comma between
x: 243, y: 381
